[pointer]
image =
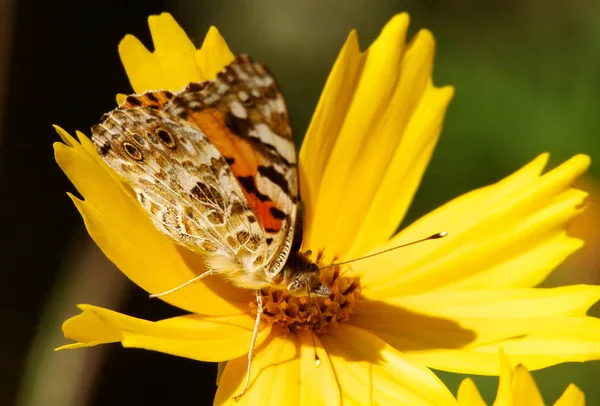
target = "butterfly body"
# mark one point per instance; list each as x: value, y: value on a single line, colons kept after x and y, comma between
x: 214, y: 166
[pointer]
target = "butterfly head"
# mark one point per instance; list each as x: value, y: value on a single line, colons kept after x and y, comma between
x: 308, y: 284
x: 303, y: 277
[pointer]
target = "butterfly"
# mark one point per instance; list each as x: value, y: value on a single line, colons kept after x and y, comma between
x: 215, y: 168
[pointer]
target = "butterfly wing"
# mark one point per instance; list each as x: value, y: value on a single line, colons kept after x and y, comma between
x: 214, y: 166
x: 185, y: 185
x: 244, y: 115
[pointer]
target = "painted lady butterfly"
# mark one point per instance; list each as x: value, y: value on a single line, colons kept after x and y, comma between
x: 215, y: 168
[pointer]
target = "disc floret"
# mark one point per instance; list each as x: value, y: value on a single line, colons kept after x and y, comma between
x: 311, y: 312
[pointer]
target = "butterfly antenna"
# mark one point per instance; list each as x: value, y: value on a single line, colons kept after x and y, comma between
x: 183, y: 285
x: 435, y: 236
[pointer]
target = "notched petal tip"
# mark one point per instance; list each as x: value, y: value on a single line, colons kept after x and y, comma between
x: 190, y: 336
x: 130, y: 46
x: 516, y: 227
x: 175, y: 61
x: 88, y: 328
x: 214, y: 54
x: 167, y: 33
x: 385, y: 90
x: 64, y: 136
x: 516, y: 387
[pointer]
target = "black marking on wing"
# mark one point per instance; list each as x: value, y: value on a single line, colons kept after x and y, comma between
x: 274, y: 176
x: 247, y: 183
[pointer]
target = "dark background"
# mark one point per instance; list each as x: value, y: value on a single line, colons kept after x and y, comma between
x: 526, y: 78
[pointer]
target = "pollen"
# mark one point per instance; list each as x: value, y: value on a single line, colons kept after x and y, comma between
x: 312, y: 313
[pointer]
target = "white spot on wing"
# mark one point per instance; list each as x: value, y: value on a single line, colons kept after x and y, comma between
x: 284, y: 147
x: 243, y: 96
x: 238, y: 110
x: 279, y: 105
x: 264, y: 185
x: 267, y: 81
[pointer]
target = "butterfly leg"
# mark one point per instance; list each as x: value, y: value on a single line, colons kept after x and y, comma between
x: 183, y: 285
x: 259, y: 311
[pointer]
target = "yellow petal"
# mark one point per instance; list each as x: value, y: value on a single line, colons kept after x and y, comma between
x: 284, y: 372
x: 462, y: 331
x: 515, y: 388
x: 525, y: 391
x: 405, y: 170
x: 121, y: 98
x: 220, y: 368
x: 371, y: 372
x: 504, y: 395
x: 582, y: 266
x: 320, y: 385
x: 214, y: 54
x: 324, y: 128
x: 572, y: 396
x: 126, y: 235
x: 370, y: 140
x: 175, y: 62
x: 468, y: 395
x: 510, y: 234
x: 191, y: 336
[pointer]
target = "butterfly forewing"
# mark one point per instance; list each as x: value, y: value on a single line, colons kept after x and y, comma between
x: 244, y: 115
x: 213, y: 168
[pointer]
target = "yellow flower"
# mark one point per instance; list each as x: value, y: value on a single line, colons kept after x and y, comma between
x: 516, y: 388
x: 447, y: 304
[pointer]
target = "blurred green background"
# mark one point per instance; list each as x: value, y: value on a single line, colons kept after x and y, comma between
x: 526, y: 80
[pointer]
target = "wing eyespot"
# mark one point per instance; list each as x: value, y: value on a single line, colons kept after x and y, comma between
x: 138, y: 138
x: 166, y: 138
x: 132, y: 151
x: 152, y: 138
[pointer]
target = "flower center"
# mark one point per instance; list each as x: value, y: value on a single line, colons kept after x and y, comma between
x: 312, y: 313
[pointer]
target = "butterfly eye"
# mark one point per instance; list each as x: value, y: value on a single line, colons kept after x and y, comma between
x: 166, y: 137
x: 132, y: 151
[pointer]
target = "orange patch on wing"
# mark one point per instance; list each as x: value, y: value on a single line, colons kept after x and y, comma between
x: 263, y: 212
x: 244, y: 166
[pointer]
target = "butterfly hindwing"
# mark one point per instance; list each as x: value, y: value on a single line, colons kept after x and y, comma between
x: 184, y: 184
